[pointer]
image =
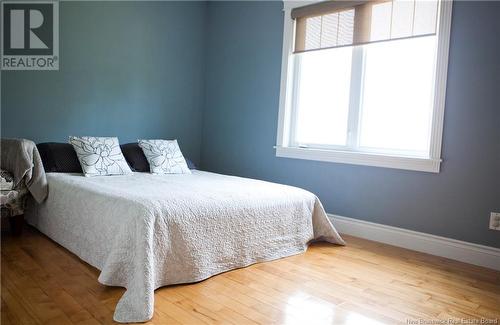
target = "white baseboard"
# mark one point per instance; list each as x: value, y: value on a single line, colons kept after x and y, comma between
x: 441, y: 246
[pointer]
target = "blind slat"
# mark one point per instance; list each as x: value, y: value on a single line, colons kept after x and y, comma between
x: 325, y: 7
x: 344, y: 23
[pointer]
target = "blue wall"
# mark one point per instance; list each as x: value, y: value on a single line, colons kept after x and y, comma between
x: 241, y: 110
x: 158, y: 69
x: 131, y: 69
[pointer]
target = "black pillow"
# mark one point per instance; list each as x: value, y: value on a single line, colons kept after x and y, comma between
x: 137, y: 160
x: 135, y: 157
x: 59, y: 157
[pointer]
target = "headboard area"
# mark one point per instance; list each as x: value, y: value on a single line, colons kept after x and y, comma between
x: 58, y: 157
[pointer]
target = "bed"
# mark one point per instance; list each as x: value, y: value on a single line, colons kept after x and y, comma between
x: 145, y: 231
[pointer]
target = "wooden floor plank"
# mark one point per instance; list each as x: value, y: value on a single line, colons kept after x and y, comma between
x: 203, y: 295
x: 363, y: 283
x: 32, y: 297
x: 51, y: 287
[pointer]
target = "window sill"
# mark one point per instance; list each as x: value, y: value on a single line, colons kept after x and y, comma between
x: 361, y: 158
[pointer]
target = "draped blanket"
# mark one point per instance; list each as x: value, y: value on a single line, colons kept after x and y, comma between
x: 20, y: 157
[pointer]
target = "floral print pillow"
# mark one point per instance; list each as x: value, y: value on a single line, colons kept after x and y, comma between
x: 100, y: 156
x: 164, y: 157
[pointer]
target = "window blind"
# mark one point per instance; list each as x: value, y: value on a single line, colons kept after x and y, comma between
x: 338, y: 23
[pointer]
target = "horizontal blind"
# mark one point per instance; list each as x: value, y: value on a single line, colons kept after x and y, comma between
x: 337, y: 23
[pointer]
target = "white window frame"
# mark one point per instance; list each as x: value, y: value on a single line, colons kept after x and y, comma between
x: 284, y: 147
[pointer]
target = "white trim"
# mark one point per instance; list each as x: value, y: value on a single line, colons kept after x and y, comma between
x: 444, y: 31
x: 285, y: 147
x: 481, y: 255
x: 361, y: 158
x: 286, y: 84
x: 355, y: 95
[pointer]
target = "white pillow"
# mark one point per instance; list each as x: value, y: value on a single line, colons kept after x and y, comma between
x: 100, y: 156
x: 164, y: 157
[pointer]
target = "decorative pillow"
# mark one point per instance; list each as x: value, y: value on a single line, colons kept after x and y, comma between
x: 164, y: 157
x: 136, y: 159
x: 100, y: 156
x: 59, y: 157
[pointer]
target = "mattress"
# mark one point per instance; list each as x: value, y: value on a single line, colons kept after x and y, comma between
x: 144, y: 231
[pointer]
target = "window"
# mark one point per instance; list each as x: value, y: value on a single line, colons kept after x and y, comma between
x: 363, y: 82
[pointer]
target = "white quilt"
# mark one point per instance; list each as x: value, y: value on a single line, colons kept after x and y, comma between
x: 145, y: 231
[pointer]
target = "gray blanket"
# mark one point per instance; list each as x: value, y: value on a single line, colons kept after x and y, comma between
x: 21, y: 158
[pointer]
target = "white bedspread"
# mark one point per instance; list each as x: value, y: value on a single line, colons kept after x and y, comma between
x: 145, y: 231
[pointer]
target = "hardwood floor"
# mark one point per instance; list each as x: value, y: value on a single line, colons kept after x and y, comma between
x: 362, y: 283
